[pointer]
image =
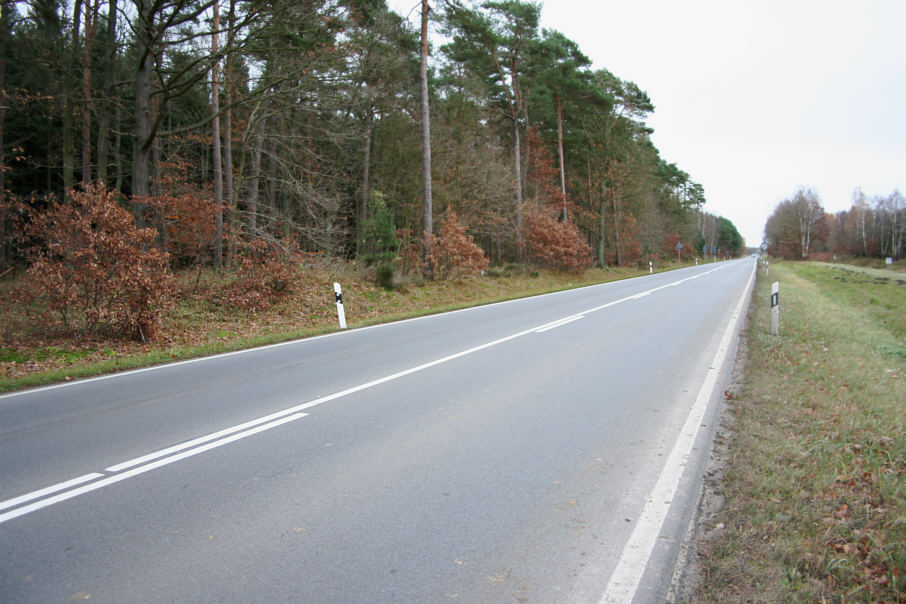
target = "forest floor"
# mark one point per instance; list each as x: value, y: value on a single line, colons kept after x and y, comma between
x: 805, y: 499
x: 34, y: 351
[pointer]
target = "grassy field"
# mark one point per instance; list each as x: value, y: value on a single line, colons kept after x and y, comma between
x: 815, y: 488
x: 32, y: 354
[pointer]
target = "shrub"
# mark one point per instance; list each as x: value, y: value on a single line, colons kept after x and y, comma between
x: 555, y: 244
x: 625, y: 249
x: 90, y: 265
x: 379, y: 242
x: 453, y: 254
x: 185, y: 216
x: 265, y: 271
x: 410, y: 251
x: 385, y: 275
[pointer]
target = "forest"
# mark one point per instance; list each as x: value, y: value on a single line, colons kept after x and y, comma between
x: 799, y: 228
x: 143, y: 137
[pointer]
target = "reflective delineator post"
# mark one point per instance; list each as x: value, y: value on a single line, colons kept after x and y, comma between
x: 340, y: 312
x: 775, y: 308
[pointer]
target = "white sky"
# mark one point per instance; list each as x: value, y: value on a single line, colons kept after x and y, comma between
x: 755, y: 98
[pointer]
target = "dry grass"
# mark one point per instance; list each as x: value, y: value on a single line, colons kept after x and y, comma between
x: 816, y: 485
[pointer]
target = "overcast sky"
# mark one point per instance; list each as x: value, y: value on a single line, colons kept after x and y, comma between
x: 754, y: 99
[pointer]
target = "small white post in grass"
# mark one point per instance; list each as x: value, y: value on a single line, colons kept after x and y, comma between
x: 340, y: 312
x: 650, y: 267
x: 775, y: 308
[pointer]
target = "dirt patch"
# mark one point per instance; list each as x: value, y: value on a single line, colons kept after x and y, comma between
x: 687, y: 576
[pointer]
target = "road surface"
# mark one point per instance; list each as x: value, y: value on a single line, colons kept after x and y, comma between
x: 541, y: 450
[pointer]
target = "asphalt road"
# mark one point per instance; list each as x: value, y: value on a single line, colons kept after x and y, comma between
x: 541, y: 450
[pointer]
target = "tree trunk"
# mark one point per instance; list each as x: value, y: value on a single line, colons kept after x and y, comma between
x: 141, y: 174
x: 517, y: 166
x: 104, y: 119
x: 616, y: 231
x: 68, y: 105
x: 117, y: 148
x: 217, y: 162
x: 157, y: 192
x: 91, y: 19
x: 602, y: 225
x: 228, y: 114
x: 559, y: 102
x: 273, y: 168
x: 427, y: 209
x: 365, y: 195
x: 254, y: 178
x: 4, y: 41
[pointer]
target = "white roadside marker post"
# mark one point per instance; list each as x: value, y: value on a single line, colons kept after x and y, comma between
x: 775, y: 308
x: 340, y: 312
x: 650, y: 267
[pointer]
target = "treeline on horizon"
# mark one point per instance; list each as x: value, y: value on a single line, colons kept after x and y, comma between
x: 237, y: 129
x: 800, y: 228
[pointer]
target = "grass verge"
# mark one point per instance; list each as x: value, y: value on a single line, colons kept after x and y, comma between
x: 815, y: 488
x: 202, y: 324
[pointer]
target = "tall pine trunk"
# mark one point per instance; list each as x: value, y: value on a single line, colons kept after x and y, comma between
x: 560, y: 152
x: 517, y: 166
x: 228, y: 120
x: 4, y: 41
x: 104, y: 118
x: 602, y: 228
x: 217, y: 160
x: 91, y: 20
x: 427, y: 219
x: 251, y: 200
x: 141, y: 160
x: 69, y: 104
x: 365, y: 195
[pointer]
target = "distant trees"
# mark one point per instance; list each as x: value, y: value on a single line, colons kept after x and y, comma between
x: 871, y: 227
x: 799, y: 227
x: 795, y: 224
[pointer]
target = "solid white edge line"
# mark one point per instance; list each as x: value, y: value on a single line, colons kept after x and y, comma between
x: 627, y: 574
x: 140, y: 470
x: 60, y: 486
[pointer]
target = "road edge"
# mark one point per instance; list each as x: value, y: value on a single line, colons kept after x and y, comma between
x: 687, y: 574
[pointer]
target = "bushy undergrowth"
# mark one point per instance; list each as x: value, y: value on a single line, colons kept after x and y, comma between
x: 452, y: 253
x: 555, y: 244
x: 91, y: 269
x: 265, y: 271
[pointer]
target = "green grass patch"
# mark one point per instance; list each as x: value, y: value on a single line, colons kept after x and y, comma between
x: 10, y: 355
x: 815, y: 489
